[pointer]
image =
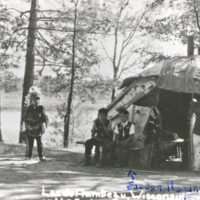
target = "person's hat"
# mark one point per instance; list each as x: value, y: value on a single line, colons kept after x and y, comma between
x: 33, y: 93
x: 103, y: 110
x: 123, y: 110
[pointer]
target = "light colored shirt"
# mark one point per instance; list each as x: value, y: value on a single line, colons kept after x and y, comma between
x: 132, y: 129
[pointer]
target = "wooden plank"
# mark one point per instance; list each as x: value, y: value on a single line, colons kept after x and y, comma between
x: 191, y: 151
x: 131, y: 96
x: 80, y: 142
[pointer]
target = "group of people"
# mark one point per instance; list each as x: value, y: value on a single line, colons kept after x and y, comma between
x: 111, y: 143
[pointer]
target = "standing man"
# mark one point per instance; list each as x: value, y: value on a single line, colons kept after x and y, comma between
x: 35, y: 119
x: 101, y: 134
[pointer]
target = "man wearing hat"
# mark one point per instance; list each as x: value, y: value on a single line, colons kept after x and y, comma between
x: 35, y: 119
x: 101, y: 134
x: 124, y: 136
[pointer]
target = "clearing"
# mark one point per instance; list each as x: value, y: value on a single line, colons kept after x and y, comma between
x: 61, y: 175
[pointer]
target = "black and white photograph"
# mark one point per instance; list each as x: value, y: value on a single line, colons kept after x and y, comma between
x: 99, y: 99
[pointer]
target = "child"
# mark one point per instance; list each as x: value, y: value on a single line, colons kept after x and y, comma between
x: 100, y: 134
x: 35, y: 118
x: 124, y: 136
x: 124, y: 133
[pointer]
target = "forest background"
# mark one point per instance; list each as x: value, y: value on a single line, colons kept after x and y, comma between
x: 95, y: 45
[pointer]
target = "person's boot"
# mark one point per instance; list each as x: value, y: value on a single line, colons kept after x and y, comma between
x: 97, y: 153
x: 86, y: 161
x: 100, y: 163
x: 42, y: 158
x: 96, y: 159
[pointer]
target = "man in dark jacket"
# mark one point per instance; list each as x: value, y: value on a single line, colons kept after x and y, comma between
x: 101, y: 134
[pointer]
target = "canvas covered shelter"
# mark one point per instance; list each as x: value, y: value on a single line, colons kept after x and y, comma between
x: 169, y: 86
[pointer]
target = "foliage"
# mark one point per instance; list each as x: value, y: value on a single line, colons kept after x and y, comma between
x: 181, y: 19
x: 9, y: 81
x: 9, y: 56
x: 128, y: 30
x: 87, y: 89
x: 79, y: 124
x: 59, y: 28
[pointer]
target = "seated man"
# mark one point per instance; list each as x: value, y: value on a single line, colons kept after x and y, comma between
x: 124, y: 136
x: 100, y: 134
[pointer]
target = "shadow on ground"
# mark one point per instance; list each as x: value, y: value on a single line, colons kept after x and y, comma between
x: 62, y: 174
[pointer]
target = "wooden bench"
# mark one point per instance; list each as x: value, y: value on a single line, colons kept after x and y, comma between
x: 138, y: 154
x: 81, y: 142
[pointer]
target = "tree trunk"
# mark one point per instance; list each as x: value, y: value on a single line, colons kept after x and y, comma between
x: 113, y: 94
x: 30, y: 58
x: 1, y: 139
x: 68, y: 112
x: 114, y: 79
x: 40, y: 71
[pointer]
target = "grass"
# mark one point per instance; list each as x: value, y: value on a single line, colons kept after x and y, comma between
x: 81, y: 123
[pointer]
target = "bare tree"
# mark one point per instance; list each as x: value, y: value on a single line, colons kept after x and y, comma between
x: 125, y: 29
x: 67, y: 115
x: 196, y: 11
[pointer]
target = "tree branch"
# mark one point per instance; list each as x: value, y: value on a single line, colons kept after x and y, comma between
x: 51, y: 11
x: 116, y: 67
x: 197, y: 17
x: 126, y: 68
x: 107, y: 53
x: 128, y: 57
x: 52, y: 18
x: 19, y: 44
x: 19, y: 29
x: 47, y: 42
x: 64, y: 31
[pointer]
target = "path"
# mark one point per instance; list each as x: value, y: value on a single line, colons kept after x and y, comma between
x: 62, y: 173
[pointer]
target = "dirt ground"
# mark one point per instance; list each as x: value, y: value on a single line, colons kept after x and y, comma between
x: 62, y: 177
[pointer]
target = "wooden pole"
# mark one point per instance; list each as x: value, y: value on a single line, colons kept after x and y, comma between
x: 190, y: 50
x: 1, y: 140
x: 30, y: 59
x: 191, y: 149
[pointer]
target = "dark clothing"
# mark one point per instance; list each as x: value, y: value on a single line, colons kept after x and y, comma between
x: 89, y: 145
x: 99, y: 130
x: 109, y: 152
x: 197, y: 125
x: 125, y: 129
x: 35, y: 116
x: 101, y: 135
x: 117, y: 152
x: 93, y: 142
x: 30, y: 144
